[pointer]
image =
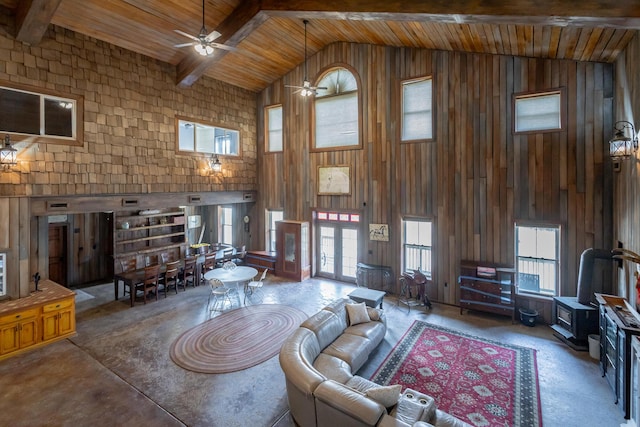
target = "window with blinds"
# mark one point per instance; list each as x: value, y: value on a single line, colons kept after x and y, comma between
x: 337, y: 111
x: 417, y: 109
x: 538, y: 112
x: 273, y: 115
x: 198, y: 137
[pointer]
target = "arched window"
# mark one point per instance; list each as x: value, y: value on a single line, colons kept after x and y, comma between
x: 337, y: 111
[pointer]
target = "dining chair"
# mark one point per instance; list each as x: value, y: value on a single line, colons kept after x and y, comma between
x: 219, y: 296
x: 126, y: 265
x: 239, y: 255
x: 189, y: 274
x: 255, y: 287
x: 171, y: 277
x: 150, y: 282
x: 166, y: 257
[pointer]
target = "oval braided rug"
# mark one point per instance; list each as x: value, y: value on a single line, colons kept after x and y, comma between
x: 237, y: 339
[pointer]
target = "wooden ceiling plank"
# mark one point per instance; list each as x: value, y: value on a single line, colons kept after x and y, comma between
x: 33, y: 18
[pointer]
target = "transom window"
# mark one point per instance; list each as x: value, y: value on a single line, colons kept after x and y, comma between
x: 538, y: 112
x: 198, y: 137
x: 337, y: 118
x: 538, y: 259
x: 27, y: 111
x: 417, y: 109
x: 417, y: 243
x: 338, y: 216
x: 273, y: 118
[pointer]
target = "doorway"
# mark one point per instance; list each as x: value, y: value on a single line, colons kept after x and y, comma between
x: 57, y: 253
x: 337, y: 246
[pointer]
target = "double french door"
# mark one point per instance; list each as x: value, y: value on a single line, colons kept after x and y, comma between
x: 337, y: 251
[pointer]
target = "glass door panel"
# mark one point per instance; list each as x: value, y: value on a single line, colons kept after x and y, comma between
x: 349, y: 252
x: 327, y: 251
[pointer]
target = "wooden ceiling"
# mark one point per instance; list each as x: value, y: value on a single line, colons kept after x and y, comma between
x: 269, y: 34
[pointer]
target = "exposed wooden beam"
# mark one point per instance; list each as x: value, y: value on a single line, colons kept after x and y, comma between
x: 608, y: 13
x: 33, y: 18
x: 235, y: 28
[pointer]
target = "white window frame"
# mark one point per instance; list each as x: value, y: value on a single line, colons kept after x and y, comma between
x: 272, y: 215
x: 337, y: 136
x: 225, y: 224
x: 208, y: 138
x: 423, y: 111
x: 274, y: 129
x: 414, y: 244
x: 539, y: 112
x: 538, y: 270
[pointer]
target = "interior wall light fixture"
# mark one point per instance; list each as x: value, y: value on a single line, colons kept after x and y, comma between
x: 215, y: 164
x: 622, y: 146
x: 8, y: 155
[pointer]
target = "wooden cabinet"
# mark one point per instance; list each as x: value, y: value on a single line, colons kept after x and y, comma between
x: 261, y: 260
x: 148, y: 234
x: 58, y: 319
x: 619, y: 323
x: 40, y: 319
x: 292, y: 247
x: 487, y: 287
x: 18, y: 330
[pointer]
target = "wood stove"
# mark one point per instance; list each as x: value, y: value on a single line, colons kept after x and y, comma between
x: 577, y: 317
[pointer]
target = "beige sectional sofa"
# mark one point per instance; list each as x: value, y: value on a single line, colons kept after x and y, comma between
x: 319, y: 361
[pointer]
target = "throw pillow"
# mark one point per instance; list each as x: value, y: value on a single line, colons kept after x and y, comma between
x: 357, y: 313
x: 374, y: 314
x: 385, y: 395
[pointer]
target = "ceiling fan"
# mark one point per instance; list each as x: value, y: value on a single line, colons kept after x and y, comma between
x: 203, y: 43
x: 306, y: 89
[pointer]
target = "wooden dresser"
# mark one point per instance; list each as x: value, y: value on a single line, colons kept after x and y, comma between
x: 486, y: 286
x: 42, y: 318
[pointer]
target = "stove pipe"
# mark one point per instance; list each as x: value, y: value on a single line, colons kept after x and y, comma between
x: 585, y: 275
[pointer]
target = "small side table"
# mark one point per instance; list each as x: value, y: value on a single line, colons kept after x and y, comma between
x: 370, y: 297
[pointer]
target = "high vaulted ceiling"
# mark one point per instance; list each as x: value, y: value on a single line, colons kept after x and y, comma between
x: 269, y: 34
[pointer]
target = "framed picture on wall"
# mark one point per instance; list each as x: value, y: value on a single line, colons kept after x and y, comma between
x: 334, y: 180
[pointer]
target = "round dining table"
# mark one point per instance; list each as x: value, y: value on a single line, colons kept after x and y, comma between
x: 237, y: 275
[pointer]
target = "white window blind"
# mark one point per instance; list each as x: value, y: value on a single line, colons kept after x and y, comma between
x: 417, y: 117
x: 337, y: 121
x: 274, y: 132
x: 538, y: 112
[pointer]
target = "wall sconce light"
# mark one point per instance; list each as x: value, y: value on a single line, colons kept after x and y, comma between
x: 622, y: 146
x: 8, y: 154
x: 215, y: 164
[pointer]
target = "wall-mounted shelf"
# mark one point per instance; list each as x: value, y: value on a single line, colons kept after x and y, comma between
x: 142, y: 236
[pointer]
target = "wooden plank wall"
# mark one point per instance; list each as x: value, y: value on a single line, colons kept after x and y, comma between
x: 476, y: 177
x: 627, y: 181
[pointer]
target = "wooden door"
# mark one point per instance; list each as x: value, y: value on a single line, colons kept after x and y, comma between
x: 57, y: 253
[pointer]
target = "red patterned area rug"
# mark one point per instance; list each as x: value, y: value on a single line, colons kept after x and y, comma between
x: 482, y: 382
x: 237, y: 339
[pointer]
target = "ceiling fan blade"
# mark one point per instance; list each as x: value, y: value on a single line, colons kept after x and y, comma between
x: 212, y: 36
x: 299, y: 87
x: 182, y: 33
x: 318, y: 87
x: 183, y: 44
x: 222, y: 46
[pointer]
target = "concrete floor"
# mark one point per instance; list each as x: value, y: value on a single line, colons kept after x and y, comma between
x: 117, y: 370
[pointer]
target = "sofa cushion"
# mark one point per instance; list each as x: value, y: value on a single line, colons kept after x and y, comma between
x: 338, y: 308
x: 373, y: 331
x: 325, y: 325
x: 385, y: 395
x: 352, y: 349
x: 361, y: 384
x: 333, y: 368
x: 357, y: 313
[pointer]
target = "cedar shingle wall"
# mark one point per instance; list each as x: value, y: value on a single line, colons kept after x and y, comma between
x: 130, y: 104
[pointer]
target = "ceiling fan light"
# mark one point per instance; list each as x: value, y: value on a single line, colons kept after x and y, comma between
x: 203, y: 49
